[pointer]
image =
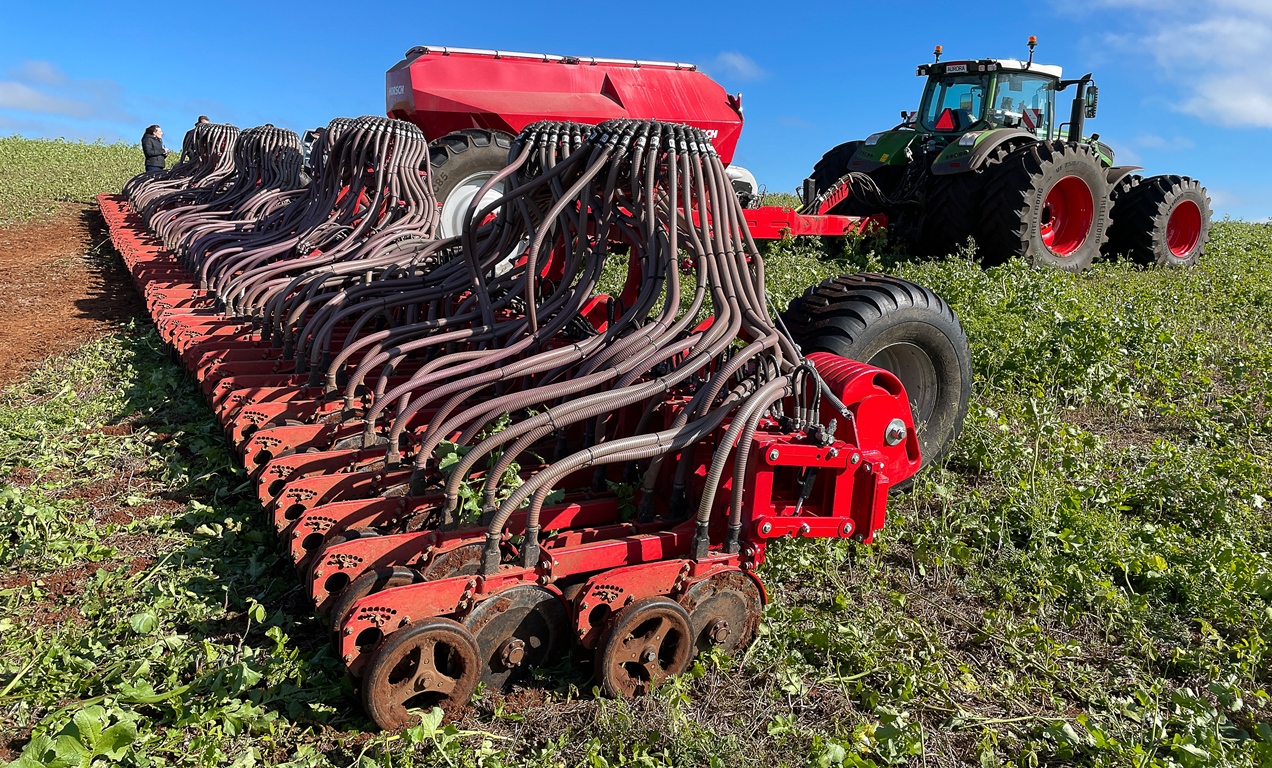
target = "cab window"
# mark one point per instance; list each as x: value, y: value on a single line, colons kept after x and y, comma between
x: 1024, y: 101
x: 954, y: 103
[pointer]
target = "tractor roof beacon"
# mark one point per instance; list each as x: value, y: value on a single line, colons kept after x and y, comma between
x: 987, y: 156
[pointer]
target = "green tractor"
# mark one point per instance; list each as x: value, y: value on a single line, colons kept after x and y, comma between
x: 986, y: 157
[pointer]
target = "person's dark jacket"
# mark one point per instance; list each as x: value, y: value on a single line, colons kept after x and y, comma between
x: 152, y: 146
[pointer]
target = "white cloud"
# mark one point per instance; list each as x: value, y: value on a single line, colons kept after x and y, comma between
x: 41, y: 88
x: 1215, y: 54
x: 737, y: 65
x: 1151, y: 141
x: 42, y: 72
x: 27, y: 99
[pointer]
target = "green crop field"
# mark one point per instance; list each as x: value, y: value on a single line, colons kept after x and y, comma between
x: 1087, y: 581
x: 35, y: 175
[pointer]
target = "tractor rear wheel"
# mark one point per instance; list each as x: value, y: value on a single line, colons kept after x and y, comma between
x: 459, y: 164
x: 1047, y: 202
x: 899, y: 326
x: 1162, y: 220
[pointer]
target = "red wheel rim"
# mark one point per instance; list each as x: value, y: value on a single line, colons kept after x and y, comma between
x: 1066, y: 216
x: 1183, y: 228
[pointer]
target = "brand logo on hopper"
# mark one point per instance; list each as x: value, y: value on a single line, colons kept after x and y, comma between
x: 712, y: 133
x: 397, y: 90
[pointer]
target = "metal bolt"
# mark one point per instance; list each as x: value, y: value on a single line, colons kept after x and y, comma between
x: 348, y: 631
x: 855, y: 459
x: 649, y: 655
x: 859, y: 538
x: 805, y: 529
x: 773, y: 455
x: 832, y: 453
x: 583, y: 606
x: 766, y: 528
x: 512, y: 652
x: 719, y: 632
x: 847, y: 529
x: 895, y: 432
x: 348, y: 658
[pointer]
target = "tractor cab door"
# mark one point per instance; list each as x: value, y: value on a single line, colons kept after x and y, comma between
x: 1024, y: 100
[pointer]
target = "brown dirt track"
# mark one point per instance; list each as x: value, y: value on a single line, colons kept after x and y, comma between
x: 60, y: 286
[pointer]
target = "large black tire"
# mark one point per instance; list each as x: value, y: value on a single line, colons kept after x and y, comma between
x: 952, y: 208
x: 950, y: 212
x: 902, y: 327
x: 833, y: 165
x: 460, y: 160
x: 1162, y: 221
x: 1046, y: 202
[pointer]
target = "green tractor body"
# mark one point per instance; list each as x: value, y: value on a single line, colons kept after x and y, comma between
x: 988, y: 156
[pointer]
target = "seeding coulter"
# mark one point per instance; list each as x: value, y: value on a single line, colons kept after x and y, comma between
x: 479, y: 461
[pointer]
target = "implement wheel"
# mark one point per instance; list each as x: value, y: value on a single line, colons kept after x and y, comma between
x: 1162, y: 221
x: 643, y: 645
x: 519, y: 630
x: 459, y: 164
x: 1046, y: 202
x: 724, y: 611
x: 901, y: 327
x: 435, y: 663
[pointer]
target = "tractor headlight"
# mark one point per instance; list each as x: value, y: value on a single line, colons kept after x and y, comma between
x: 873, y: 139
x: 969, y: 139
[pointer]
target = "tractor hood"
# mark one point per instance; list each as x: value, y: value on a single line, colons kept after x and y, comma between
x: 880, y: 149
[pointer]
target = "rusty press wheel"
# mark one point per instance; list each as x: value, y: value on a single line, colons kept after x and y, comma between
x: 642, y: 645
x: 518, y: 630
x: 461, y: 561
x: 724, y: 611
x: 435, y: 663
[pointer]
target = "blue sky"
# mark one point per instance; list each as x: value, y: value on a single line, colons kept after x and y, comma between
x: 1185, y: 86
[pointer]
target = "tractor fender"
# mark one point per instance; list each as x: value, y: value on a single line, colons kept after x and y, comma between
x: 1115, y: 174
x: 959, y: 159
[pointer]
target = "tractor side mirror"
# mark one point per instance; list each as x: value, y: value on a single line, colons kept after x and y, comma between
x: 1092, y: 100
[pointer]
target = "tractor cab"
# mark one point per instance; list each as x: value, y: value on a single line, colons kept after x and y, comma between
x: 963, y: 96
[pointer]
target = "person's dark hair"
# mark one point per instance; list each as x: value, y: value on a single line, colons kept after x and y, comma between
x: 151, y: 130
x: 202, y: 119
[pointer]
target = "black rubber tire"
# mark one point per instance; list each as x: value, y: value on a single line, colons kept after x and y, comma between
x: 457, y: 156
x: 951, y: 210
x: 1141, y: 216
x: 1014, y: 210
x: 864, y: 316
x: 833, y: 165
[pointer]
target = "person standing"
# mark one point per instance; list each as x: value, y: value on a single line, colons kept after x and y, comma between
x: 188, y: 141
x: 153, y: 148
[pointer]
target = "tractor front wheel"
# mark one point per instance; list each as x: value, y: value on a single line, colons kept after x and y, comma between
x: 1046, y: 202
x: 1162, y: 221
x: 899, y: 326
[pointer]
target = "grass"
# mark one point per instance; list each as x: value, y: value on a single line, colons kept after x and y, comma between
x: 1087, y: 581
